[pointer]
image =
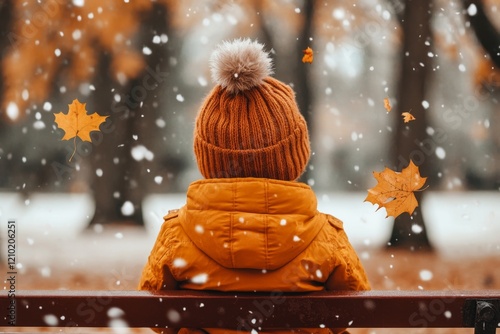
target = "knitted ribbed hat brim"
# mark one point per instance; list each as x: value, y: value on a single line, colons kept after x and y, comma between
x: 285, y: 160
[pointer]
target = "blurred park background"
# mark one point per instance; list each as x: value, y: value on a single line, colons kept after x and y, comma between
x: 144, y: 64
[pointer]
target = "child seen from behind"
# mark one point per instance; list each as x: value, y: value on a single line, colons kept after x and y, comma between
x: 249, y: 225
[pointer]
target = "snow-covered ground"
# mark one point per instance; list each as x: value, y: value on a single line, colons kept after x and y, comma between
x: 56, y: 214
x: 461, y: 223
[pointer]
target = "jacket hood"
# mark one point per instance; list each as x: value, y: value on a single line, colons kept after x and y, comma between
x: 250, y: 222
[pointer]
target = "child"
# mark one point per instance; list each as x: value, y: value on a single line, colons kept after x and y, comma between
x: 249, y: 225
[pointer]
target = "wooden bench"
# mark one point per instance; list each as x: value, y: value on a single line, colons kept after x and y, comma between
x: 246, y: 311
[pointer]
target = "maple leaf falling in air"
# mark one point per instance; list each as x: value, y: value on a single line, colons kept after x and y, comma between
x: 407, y: 117
x: 308, y: 55
x: 395, y: 190
x: 387, y: 104
x: 77, y: 123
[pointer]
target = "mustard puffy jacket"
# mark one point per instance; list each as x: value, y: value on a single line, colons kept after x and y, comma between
x: 251, y: 234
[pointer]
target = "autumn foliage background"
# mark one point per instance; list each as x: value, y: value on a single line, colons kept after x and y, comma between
x: 144, y: 65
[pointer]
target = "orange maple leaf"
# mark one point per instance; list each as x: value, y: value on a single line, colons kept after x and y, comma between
x: 387, y: 104
x: 395, y: 191
x: 407, y: 117
x: 77, y: 123
x: 308, y: 55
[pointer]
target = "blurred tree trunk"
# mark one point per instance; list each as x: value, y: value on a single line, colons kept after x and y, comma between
x: 301, y: 80
x: 265, y: 35
x: 131, y: 123
x: 299, y: 74
x: 484, y: 30
x: 409, y: 232
x: 489, y: 38
x: 111, y: 155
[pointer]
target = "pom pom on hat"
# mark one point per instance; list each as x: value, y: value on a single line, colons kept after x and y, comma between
x: 240, y: 65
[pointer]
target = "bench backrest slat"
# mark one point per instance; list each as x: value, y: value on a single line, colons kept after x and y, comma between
x: 382, y: 309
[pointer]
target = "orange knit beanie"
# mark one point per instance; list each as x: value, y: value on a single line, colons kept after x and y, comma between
x: 249, y: 125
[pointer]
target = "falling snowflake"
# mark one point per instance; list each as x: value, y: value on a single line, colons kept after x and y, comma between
x: 173, y: 316
x: 200, y: 279
x: 127, y: 208
x: 115, y: 312
x: 179, y: 262
x: 51, y: 320
x: 426, y: 275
